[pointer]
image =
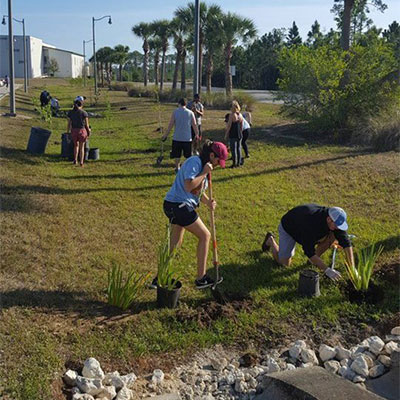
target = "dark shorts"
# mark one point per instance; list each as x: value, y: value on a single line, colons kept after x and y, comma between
x: 79, y: 135
x: 193, y: 133
x: 181, y: 147
x: 180, y: 213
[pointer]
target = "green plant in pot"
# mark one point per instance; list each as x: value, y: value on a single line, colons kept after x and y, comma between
x: 122, y: 291
x: 168, y: 284
x: 360, y: 274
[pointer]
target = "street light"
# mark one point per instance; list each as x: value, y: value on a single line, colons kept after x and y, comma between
x: 84, y: 60
x: 94, y: 48
x: 24, y: 39
x: 197, y: 73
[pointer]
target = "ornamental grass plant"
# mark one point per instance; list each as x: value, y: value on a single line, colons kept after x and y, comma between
x: 360, y: 274
x: 122, y: 291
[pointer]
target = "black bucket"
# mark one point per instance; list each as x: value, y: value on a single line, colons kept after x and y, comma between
x: 38, y: 140
x: 67, y: 146
x: 94, y: 154
x: 168, y: 298
x: 309, y: 283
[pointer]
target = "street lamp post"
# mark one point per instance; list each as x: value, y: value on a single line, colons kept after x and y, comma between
x: 11, y: 60
x: 84, y: 60
x: 94, y: 48
x: 24, y: 44
x: 196, y: 79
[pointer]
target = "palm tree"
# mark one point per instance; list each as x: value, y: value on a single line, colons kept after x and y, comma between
x: 161, y: 29
x: 212, y: 40
x: 155, y: 44
x: 179, y: 31
x: 143, y: 30
x: 234, y: 28
x: 121, y: 55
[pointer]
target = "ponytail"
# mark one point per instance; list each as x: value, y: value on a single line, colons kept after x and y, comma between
x: 205, y: 152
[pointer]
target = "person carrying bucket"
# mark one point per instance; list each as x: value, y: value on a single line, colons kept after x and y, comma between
x: 184, y: 197
x: 316, y: 228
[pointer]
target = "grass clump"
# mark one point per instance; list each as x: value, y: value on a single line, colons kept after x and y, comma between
x: 122, y: 292
x: 360, y: 274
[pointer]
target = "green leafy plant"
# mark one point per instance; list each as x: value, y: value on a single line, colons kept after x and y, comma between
x: 121, y: 291
x: 360, y: 274
x: 107, y: 113
x: 167, y: 274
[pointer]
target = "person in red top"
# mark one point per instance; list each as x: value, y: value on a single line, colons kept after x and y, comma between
x: 78, y: 125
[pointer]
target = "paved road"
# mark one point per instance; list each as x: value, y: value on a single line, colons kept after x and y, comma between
x: 4, y: 91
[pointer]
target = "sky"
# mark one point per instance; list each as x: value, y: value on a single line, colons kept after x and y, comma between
x: 65, y: 24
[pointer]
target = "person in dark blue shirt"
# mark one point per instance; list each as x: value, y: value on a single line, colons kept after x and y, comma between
x: 315, y: 228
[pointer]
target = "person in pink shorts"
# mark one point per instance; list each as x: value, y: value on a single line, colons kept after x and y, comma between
x: 78, y: 125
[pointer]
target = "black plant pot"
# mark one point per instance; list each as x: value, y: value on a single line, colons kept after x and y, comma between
x: 373, y: 295
x: 309, y: 283
x: 168, y: 298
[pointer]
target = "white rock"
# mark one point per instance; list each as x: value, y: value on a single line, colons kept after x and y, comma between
x: 158, y: 377
x: 129, y: 380
x: 124, y: 394
x: 273, y: 366
x: 357, y: 350
x: 240, y: 386
x: 295, y: 350
x: 306, y: 365
x: 92, y: 369
x: 219, y: 363
x: 75, y: 390
x: 376, y: 371
x: 230, y: 367
x: 290, y: 367
x: 395, y: 330
x: 384, y: 360
x: 108, y: 393
x: 390, y: 346
x: 372, y: 356
x: 376, y: 344
x: 346, y: 362
x: 88, y: 385
x: 113, y: 379
x: 342, y: 353
x: 369, y: 360
x: 70, y: 377
x: 252, y: 383
x: 326, y: 353
x: 83, y: 396
x: 360, y: 366
x: 358, y: 379
x: 347, y: 373
x: 332, y: 366
x: 308, y: 356
x: 230, y: 378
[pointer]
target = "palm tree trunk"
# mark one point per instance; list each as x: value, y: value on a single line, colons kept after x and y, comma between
x: 162, y: 70
x: 200, y: 61
x: 210, y: 68
x: 183, y: 70
x: 120, y: 72
x: 176, y: 70
x: 145, y: 62
x: 102, y: 74
x: 345, y: 38
x: 228, y: 76
x: 156, y: 62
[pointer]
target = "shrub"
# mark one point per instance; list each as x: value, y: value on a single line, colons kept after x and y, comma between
x: 360, y: 274
x: 121, y: 86
x: 334, y: 90
x: 173, y: 96
x: 220, y: 101
x: 166, y: 276
x: 122, y: 292
x: 140, y: 91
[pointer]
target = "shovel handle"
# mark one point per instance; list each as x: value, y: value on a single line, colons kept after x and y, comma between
x: 213, y: 232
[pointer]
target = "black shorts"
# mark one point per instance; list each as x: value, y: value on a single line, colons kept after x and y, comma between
x: 181, y: 147
x: 180, y: 213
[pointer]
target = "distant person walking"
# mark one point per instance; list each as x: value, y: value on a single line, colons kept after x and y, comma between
x: 7, y: 80
x: 233, y: 132
x: 246, y: 129
x: 198, y: 110
x: 184, y: 120
x: 78, y: 125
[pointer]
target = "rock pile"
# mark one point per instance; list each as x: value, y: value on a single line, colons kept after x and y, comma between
x: 215, y: 374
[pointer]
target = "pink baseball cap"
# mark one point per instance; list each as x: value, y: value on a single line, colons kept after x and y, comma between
x: 221, y: 152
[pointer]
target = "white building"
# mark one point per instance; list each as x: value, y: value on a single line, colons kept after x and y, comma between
x: 39, y: 56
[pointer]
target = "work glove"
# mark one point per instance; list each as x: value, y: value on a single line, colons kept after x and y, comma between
x: 333, y: 274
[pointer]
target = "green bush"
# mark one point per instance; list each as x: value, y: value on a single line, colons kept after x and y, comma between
x: 335, y: 90
x: 140, y: 91
x: 121, y: 86
x: 219, y: 100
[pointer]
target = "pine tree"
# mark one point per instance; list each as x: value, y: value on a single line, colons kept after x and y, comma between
x: 293, y: 38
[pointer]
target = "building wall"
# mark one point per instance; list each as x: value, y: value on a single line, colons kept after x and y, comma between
x: 77, y: 66
x: 35, y: 61
x: 64, y: 61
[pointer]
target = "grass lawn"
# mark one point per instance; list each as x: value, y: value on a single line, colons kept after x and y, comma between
x: 62, y: 227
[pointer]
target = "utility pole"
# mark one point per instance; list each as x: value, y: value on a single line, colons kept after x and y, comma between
x: 84, y: 60
x: 11, y: 60
x: 196, y: 80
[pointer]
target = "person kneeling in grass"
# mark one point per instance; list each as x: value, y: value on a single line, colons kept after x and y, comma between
x: 316, y: 228
x: 184, y: 197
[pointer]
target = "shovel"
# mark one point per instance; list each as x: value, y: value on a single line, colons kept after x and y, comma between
x: 161, y: 156
x: 218, y: 296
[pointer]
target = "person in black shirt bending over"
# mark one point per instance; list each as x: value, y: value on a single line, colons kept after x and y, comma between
x: 315, y: 228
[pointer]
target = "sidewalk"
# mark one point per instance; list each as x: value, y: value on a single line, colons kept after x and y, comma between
x: 4, y: 91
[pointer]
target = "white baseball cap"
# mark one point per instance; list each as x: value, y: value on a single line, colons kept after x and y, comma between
x: 338, y: 216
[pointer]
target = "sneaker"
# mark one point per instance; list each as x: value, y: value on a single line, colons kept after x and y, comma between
x: 265, y: 247
x: 153, y: 284
x: 204, y: 282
